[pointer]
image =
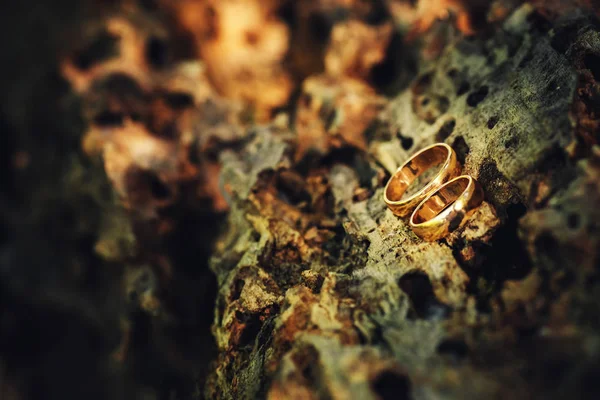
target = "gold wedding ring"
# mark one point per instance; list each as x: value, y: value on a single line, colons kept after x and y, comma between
x: 429, y: 157
x: 446, y: 209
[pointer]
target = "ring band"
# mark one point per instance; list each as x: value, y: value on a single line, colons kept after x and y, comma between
x: 447, y: 209
x: 415, y: 167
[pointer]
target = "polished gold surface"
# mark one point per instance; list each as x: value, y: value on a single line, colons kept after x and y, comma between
x: 440, y: 155
x: 446, y: 209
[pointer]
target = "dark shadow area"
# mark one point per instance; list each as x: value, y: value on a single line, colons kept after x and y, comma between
x: 64, y: 316
x: 424, y: 303
x: 392, y: 385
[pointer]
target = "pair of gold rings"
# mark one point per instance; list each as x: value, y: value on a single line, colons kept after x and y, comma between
x: 444, y: 204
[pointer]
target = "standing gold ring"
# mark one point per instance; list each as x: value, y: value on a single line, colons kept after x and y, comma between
x: 447, y: 209
x: 439, y: 153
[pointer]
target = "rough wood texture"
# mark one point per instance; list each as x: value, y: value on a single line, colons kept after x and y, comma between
x: 193, y: 204
x: 323, y: 293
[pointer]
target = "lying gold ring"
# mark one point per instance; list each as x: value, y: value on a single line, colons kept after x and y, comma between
x: 412, y: 169
x: 447, y: 209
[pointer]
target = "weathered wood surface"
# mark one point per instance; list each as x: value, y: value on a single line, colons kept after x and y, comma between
x: 323, y: 293
x: 200, y: 197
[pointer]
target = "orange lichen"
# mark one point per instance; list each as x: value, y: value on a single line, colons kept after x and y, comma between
x: 424, y: 13
x: 135, y: 161
x: 145, y: 120
x: 429, y: 11
x: 356, y: 47
x: 334, y: 113
x: 243, y: 44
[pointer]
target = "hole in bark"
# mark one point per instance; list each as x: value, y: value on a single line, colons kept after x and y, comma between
x: 504, y: 257
x: 102, y: 48
x: 539, y: 22
x: 455, y: 348
x: 107, y: 118
x: 516, y: 211
x: 306, y: 360
x: 327, y: 113
x: 422, y: 83
x: 511, y: 142
x: 477, y: 96
x: 390, y: 385
x: 406, y: 142
x: 573, y: 221
x: 157, y: 52
x: 387, y: 72
x: 545, y: 242
x: 507, y: 250
x: 592, y: 62
x: 178, y: 100
x: 305, y: 100
x: 446, y: 130
x: 124, y: 92
x: 292, y: 188
x: 425, y: 101
x: 142, y: 184
x: 377, y: 13
x: 492, y: 122
x: 320, y: 26
x: 317, y: 284
x: 252, y: 325
x: 418, y: 288
x: 453, y: 73
x: 158, y: 189
x: 564, y: 37
x: 461, y: 148
x: 122, y: 84
x: 255, y: 236
x: 238, y: 286
x: 168, y: 130
x: 463, y: 88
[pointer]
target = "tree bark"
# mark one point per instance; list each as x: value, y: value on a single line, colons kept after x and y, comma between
x: 324, y: 293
